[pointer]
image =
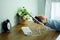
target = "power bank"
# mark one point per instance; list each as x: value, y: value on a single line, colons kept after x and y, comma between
x: 26, y: 30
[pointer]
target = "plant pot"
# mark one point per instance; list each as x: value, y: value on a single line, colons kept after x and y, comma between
x: 23, y: 22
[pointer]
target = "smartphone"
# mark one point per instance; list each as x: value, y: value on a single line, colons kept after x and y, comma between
x: 37, y: 19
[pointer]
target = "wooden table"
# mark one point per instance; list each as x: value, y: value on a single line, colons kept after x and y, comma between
x: 17, y: 34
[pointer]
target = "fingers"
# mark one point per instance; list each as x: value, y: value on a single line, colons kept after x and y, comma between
x: 42, y: 18
x: 35, y: 21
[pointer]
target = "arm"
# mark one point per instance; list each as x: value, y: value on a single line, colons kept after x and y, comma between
x: 54, y: 24
x: 41, y: 19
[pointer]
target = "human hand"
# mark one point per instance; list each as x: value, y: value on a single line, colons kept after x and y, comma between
x: 42, y: 19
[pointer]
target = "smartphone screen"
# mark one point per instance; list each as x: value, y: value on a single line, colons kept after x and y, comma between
x: 38, y: 19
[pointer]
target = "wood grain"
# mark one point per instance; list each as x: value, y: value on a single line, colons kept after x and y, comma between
x: 17, y: 34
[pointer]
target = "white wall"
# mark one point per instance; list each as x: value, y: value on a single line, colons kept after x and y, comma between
x: 8, y: 9
x: 31, y: 5
x: 41, y: 7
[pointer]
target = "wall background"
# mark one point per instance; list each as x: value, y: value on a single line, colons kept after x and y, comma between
x: 41, y: 7
x: 8, y: 9
x: 48, y: 7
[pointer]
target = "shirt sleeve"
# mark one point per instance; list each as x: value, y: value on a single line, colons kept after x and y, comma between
x: 54, y: 24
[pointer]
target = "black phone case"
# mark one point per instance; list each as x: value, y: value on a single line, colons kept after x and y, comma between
x: 38, y: 19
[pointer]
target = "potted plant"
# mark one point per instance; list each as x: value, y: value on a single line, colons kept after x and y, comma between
x: 23, y: 15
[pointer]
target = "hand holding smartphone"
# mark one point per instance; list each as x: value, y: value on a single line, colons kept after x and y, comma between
x: 37, y: 19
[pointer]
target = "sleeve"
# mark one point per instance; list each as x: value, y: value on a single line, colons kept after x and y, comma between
x: 54, y: 24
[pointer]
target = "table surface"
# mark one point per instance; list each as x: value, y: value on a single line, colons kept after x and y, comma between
x: 17, y: 34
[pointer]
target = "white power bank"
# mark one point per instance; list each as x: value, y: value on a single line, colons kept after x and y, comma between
x: 26, y: 30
